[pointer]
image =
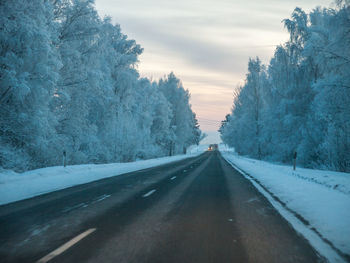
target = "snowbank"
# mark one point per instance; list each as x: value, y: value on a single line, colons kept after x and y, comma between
x: 194, y: 149
x: 19, y: 186
x: 321, y: 198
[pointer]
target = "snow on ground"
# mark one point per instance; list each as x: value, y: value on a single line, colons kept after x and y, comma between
x: 322, y: 198
x: 197, y: 148
x: 18, y: 186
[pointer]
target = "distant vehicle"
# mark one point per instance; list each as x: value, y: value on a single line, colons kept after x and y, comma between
x: 213, y: 147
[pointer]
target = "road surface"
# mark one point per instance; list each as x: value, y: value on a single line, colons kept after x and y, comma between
x: 195, y: 210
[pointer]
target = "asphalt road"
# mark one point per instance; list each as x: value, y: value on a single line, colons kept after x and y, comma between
x: 196, y: 210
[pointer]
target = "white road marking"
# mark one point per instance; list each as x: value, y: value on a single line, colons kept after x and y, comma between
x: 103, y: 197
x: 149, y: 193
x: 172, y: 178
x: 65, y: 246
x: 74, y: 207
x: 252, y: 200
x: 98, y: 199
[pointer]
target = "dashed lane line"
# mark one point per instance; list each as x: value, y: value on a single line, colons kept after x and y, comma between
x: 149, y: 193
x: 101, y: 198
x: 68, y: 209
x: 66, y: 246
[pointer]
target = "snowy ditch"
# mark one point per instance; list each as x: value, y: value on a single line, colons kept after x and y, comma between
x: 315, y: 202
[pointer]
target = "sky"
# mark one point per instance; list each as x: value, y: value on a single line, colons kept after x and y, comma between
x: 206, y: 43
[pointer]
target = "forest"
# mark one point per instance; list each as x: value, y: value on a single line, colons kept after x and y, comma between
x: 69, y: 83
x: 299, y: 102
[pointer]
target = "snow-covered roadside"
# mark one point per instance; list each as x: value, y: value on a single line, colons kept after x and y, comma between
x: 19, y: 186
x: 315, y: 202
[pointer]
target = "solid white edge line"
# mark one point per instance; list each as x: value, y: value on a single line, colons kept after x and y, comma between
x: 149, y: 193
x: 65, y: 246
x: 316, y: 242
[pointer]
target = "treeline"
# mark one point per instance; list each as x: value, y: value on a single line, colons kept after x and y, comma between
x: 300, y: 102
x: 69, y: 82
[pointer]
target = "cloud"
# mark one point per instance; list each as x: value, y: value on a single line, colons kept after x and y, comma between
x: 199, y: 50
x: 207, y: 43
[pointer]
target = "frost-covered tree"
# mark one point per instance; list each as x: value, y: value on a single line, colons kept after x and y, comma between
x: 305, y: 95
x: 248, y: 112
x: 29, y: 66
x: 330, y: 47
x: 183, y: 125
x: 69, y: 82
x: 78, y: 29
